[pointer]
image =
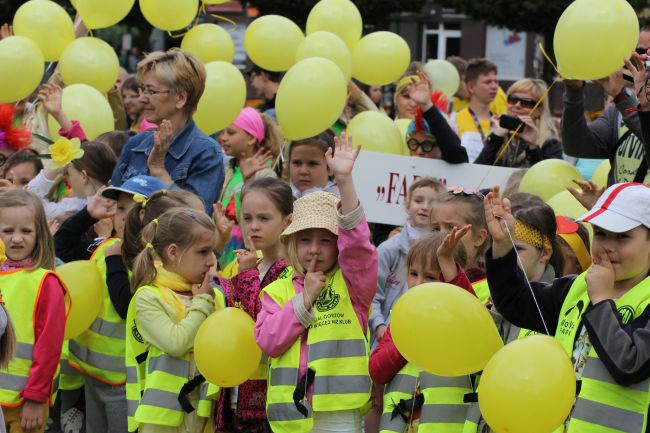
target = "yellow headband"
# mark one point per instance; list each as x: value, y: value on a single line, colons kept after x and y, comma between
x: 578, y: 247
x: 529, y: 234
x: 410, y: 79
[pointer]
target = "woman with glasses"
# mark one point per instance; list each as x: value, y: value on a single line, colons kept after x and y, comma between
x: 537, y: 137
x: 134, y: 107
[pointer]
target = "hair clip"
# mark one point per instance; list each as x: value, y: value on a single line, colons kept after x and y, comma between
x: 459, y: 190
x: 139, y: 198
x: 191, y: 215
x: 155, y: 221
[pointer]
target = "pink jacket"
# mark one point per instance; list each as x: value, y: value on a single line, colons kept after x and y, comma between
x: 75, y: 131
x: 278, y: 328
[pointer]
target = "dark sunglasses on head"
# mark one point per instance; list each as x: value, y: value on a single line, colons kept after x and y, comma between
x: 426, y: 145
x: 525, y: 102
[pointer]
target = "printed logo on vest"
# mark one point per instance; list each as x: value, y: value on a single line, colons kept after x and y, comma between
x: 566, y: 326
x: 284, y: 274
x: 627, y: 314
x: 328, y: 299
x: 136, y: 334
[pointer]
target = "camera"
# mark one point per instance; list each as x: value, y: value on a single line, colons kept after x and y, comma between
x: 511, y: 123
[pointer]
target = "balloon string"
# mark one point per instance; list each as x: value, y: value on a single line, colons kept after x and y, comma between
x: 521, y: 266
x: 415, y: 391
x: 219, y: 17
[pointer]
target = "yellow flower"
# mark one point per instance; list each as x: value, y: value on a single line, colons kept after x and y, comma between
x: 64, y: 151
x: 3, y: 256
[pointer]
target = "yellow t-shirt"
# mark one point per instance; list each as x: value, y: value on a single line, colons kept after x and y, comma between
x: 470, y: 137
x: 498, y: 106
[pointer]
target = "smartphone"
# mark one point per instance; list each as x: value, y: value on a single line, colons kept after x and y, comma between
x: 511, y: 123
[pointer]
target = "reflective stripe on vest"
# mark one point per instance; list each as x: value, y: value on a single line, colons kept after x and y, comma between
x: 603, y: 405
x: 443, y: 409
x: 337, y: 351
x: 99, y: 351
x: 21, y: 290
x: 70, y: 378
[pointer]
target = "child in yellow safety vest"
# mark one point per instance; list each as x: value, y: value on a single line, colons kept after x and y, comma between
x: 36, y: 300
x: 173, y: 298
x: 314, y: 319
x: 600, y: 317
x: 7, y: 333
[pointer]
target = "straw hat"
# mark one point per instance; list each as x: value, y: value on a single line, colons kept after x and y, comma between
x: 313, y: 211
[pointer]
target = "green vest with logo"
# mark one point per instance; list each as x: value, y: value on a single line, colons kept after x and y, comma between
x: 604, y: 406
x: 154, y: 379
x: 443, y: 410
x: 338, y: 353
x: 21, y: 290
x: 99, y: 351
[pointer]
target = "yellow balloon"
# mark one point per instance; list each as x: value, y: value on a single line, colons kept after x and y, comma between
x: 600, y: 174
x: 85, y: 287
x: 169, y: 14
x: 444, y: 330
x: 527, y: 387
x: 85, y: 104
x: 443, y: 75
x: 549, y: 177
x: 380, y: 58
x: 593, y: 37
x: 272, y: 41
x: 47, y: 24
x: 403, y: 126
x: 564, y: 204
x: 376, y: 132
x: 223, y: 98
x: 340, y: 17
x: 225, y: 350
x: 89, y: 61
x: 310, y: 98
x: 329, y: 46
x: 215, y: 2
x: 99, y: 14
x: 22, y: 68
x: 210, y: 43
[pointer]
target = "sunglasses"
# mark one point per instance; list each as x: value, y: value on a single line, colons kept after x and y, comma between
x: 525, y: 102
x: 426, y: 145
x: 641, y: 51
x: 468, y: 192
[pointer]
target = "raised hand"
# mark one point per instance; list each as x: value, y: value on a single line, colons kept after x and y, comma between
x: 497, y: 213
x: 314, y: 283
x: 445, y: 252
x: 223, y: 224
x: 162, y: 140
x: 342, y: 161
x: 636, y: 66
x: 50, y: 94
x: 420, y: 91
x: 600, y: 277
x: 101, y: 208
x: 251, y: 165
x: 588, y: 194
x: 6, y: 30
x: 613, y: 84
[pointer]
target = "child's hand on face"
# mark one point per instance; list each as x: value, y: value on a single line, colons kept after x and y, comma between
x: 342, y: 162
x: 497, y: 212
x: 600, y: 277
x: 205, y: 288
x: 314, y: 283
x: 247, y: 259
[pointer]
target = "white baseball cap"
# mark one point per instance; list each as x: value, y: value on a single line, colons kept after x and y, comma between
x: 623, y: 207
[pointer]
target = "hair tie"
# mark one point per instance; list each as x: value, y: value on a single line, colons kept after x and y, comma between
x: 155, y: 221
x: 139, y: 198
x: 149, y: 246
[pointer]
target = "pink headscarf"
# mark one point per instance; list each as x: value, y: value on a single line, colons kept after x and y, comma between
x: 251, y: 121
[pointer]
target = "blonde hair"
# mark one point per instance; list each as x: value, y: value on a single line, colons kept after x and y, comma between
x: 43, y: 254
x: 423, y: 252
x: 425, y: 182
x: 272, y: 136
x: 7, y: 342
x: 536, y: 89
x: 178, y: 70
x: 175, y: 226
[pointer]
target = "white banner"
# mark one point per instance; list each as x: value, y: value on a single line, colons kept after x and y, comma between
x: 382, y: 181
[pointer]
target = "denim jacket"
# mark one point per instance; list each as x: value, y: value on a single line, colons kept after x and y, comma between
x: 194, y: 162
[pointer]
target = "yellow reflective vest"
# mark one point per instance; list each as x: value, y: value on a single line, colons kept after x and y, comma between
x: 21, y: 290
x: 443, y: 409
x: 99, y: 351
x: 338, y: 354
x: 482, y: 290
x: 154, y: 379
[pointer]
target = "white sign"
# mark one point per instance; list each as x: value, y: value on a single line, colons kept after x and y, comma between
x: 506, y: 49
x: 382, y: 181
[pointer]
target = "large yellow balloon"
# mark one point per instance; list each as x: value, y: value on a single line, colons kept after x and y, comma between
x: 376, y: 132
x: 223, y: 98
x: 310, y: 98
x: 340, y: 17
x: 380, y: 58
x: 329, y: 46
x: 225, y: 350
x: 593, y: 37
x: 22, y: 68
x: 47, y: 24
x: 527, y: 387
x: 403, y: 126
x: 549, y: 177
x: 90, y: 61
x: 600, y: 174
x: 272, y: 41
x: 564, y: 204
x: 443, y: 75
x: 85, y: 104
x: 169, y: 14
x: 444, y: 330
x: 85, y: 287
x: 210, y: 43
x: 98, y: 14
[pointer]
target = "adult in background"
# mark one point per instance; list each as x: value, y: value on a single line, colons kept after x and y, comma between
x: 266, y: 84
x: 537, y: 138
x: 178, y: 153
